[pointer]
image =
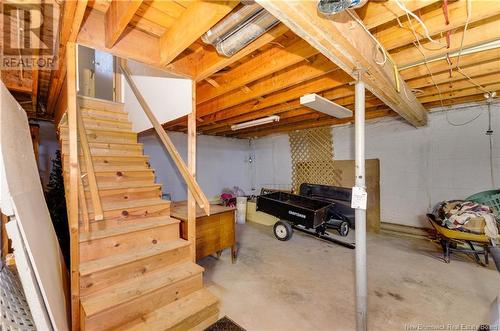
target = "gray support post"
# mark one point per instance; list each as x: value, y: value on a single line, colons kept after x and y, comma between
x: 360, y: 214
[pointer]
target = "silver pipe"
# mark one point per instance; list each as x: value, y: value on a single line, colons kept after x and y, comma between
x: 360, y: 214
x: 222, y: 29
x: 253, y: 29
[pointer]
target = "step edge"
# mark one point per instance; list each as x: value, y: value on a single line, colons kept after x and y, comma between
x: 137, y: 256
x: 120, y: 230
x: 196, y: 269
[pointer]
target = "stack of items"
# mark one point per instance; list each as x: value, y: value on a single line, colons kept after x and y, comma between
x: 468, y: 216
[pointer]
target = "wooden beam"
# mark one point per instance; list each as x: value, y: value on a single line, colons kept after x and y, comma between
x: 93, y: 35
x: 296, y: 74
x: 198, y: 18
x: 397, y: 36
x: 376, y: 13
x: 192, y: 185
x: 70, y: 23
x: 118, y: 16
x: 351, y: 48
x: 73, y: 185
x: 272, y: 60
x: 206, y: 61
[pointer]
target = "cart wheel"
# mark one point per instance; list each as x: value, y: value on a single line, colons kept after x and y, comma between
x: 343, y: 229
x: 283, y: 230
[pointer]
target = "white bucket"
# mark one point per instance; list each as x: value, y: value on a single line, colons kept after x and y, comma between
x: 241, y: 209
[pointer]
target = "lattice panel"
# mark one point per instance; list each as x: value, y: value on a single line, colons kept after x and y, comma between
x: 312, y: 157
x: 14, y: 311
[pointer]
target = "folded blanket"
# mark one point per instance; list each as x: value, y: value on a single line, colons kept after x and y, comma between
x: 468, y: 216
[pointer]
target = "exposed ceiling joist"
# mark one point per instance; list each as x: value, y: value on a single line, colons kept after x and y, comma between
x: 206, y: 61
x: 398, y: 36
x: 198, y: 18
x: 294, y: 75
x: 118, y: 16
x: 376, y: 13
x: 350, y: 47
x: 262, y: 65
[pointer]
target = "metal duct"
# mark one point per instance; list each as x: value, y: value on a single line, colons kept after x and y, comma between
x: 251, y: 30
x: 230, y: 23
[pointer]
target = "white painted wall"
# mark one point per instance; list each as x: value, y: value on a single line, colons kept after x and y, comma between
x: 418, y: 167
x: 221, y: 162
x: 273, y: 162
x: 168, y: 97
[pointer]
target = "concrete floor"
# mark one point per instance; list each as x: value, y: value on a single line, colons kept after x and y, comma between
x: 308, y: 284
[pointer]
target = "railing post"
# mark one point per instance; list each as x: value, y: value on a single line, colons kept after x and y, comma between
x: 191, y: 202
x: 73, y: 184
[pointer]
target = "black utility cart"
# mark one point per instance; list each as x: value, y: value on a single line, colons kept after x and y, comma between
x: 310, y: 215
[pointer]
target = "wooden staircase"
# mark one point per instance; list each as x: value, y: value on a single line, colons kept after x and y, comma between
x: 135, y: 271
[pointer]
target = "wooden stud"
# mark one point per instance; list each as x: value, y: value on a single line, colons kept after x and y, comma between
x: 73, y: 184
x: 191, y: 202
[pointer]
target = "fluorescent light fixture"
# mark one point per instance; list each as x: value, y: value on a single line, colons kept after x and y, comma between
x: 471, y: 50
x: 325, y: 106
x: 260, y: 121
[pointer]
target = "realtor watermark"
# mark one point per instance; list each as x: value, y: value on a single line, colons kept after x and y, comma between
x: 29, y: 35
x: 447, y: 327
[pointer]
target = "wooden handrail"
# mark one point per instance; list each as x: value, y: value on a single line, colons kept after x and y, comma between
x: 193, y: 186
x: 83, y: 203
x: 94, y: 192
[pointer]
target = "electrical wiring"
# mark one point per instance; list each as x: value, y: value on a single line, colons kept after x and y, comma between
x: 469, y: 14
x: 379, y: 46
x: 410, y: 13
x: 418, y: 45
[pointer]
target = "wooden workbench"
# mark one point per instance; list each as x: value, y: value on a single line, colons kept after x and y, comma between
x: 214, y: 233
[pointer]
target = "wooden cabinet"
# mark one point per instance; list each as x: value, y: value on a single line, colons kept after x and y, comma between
x: 214, y: 233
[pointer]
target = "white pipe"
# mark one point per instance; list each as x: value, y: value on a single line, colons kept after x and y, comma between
x: 360, y: 214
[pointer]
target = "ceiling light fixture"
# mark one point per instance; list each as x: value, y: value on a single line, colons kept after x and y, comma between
x: 260, y: 121
x: 325, y: 106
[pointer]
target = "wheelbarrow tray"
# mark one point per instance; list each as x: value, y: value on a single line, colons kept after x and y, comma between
x: 296, y: 209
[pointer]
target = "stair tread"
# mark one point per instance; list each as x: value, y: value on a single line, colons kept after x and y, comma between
x: 148, y: 223
x: 124, y: 185
x: 91, y: 117
x: 174, y: 313
x: 117, y: 107
x: 106, y: 206
x: 104, y: 130
x: 109, y: 262
x: 113, y: 168
x: 128, y: 290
